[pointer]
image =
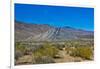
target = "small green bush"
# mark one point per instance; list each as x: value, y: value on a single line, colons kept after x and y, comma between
x: 19, y: 50
x: 44, y: 60
x: 84, y: 52
x: 46, y: 50
x: 45, y: 54
x: 20, y: 47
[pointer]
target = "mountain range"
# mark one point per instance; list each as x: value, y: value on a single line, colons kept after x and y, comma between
x: 45, y: 32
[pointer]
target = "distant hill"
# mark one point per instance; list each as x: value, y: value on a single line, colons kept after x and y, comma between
x: 44, y: 32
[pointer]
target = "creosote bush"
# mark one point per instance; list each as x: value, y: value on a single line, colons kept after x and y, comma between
x: 84, y: 52
x: 43, y: 60
x: 46, y: 50
x: 21, y: 50
x: 45, y: 54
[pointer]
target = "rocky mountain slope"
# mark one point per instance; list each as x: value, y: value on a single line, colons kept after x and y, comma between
x: 44, y: 32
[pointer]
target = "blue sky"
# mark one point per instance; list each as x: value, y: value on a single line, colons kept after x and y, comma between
x: 59, y: 16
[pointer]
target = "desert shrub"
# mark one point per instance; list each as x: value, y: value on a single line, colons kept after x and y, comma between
x: 84, y: 52
x: 46, y: 50
x: 43, y: 60
x: 20, y: 50
x: 45, y: 54
x: 58, y: 46
x: 18, y: 54
x: 20, y: 47
x: 25, y: 49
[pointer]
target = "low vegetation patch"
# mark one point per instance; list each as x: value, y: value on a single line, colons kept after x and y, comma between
x: 84, y: 52
x: 46, y: 50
